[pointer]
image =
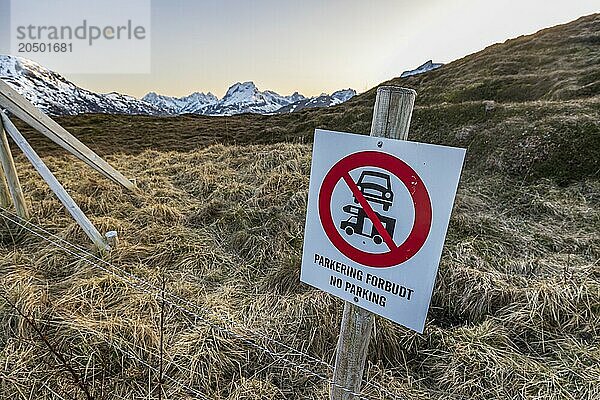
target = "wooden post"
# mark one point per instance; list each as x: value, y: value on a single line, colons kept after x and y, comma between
x: 391, y: 119
x: 112, y: 239
x: 56, y: 187
x: 4, y: 193
x: 23, y: 109
x: 14, y: 186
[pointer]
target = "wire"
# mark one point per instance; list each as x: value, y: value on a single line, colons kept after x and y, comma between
x: 147, y: 287
x: 181, y: 385
x: 134, y: 357
x: 142, y: 287
x: 156, y: 288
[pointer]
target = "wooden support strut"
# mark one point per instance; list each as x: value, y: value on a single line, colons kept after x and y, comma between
x: 10, y: 172
x: 4, y: 193
x: 391, y: 119
x: 89, y: 229
x: 24, y: 110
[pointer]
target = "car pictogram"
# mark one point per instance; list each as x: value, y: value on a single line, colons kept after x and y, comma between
x: 376, y: 187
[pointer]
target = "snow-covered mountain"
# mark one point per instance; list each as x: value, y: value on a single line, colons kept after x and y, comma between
x: 55, y: 95
x: 421, y: 69
x: 195, y: 103
x: 246, y: 98
x: 240, y: 98
x: 324, y: 100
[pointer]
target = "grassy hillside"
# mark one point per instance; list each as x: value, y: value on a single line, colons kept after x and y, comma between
x: 516, y: 309
x: 546, y: 107
x: 559, y: 63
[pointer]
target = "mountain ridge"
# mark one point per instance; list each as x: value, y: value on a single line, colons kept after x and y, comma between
x: 56, y: 95
x: 322, y: 101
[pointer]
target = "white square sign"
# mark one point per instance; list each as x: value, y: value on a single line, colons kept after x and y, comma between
x: 378, y: 212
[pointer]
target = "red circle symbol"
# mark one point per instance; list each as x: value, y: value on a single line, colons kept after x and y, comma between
x: 397, y: 254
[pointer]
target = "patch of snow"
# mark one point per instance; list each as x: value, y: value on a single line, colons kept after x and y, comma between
x: 428, y: 66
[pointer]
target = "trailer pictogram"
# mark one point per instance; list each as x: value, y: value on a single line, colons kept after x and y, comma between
x: 356, y: 224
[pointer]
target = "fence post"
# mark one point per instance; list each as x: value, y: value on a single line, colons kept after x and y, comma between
x: 4, y: 193
x: 60, y: 192
x: 10, y: 171
x: 391, y: 119
x: 18, y: 106
x: 112, y: 239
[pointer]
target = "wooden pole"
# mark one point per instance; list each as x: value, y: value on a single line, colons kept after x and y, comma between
x: 4, y: 193
x: 112, y: 239
x: 24, y: 110
x: 391, y: 119
x: 89, y: 229
x: 10, y: 171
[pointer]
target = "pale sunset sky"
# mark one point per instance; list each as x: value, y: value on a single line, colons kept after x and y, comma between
x: 315, y: 46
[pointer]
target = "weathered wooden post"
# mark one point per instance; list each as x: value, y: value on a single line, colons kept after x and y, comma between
x: 73, y: 209
x: 18, y: 106
x: 112, y: 239
x: 4, y: 194
x: 14, y: 186
x: 391, y: 119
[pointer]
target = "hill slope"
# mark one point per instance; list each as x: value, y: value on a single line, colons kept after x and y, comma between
x: 531, y: 134
x: 516, y: 309
x: 558, y: 63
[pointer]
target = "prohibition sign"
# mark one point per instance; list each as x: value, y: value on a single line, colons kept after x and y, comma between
x: 397, y: 254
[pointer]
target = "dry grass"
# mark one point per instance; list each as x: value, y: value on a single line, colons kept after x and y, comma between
x: 516, y: 312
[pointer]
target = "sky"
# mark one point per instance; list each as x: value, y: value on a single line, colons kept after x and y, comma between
x: 316, y: 46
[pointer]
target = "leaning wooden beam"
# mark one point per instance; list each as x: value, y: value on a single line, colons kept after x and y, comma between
x: 24, y: 110
x: 56, y: 187
x: 4, y: 194
x: 8, y: 166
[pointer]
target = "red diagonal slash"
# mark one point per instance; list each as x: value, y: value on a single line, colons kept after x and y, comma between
x: 370, y: 213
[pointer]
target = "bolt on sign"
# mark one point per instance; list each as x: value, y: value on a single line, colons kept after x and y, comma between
x: 378, y: 212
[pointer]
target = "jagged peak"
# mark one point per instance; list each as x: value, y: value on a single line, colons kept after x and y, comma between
x: 56, y: 95
x: 241, y: 87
